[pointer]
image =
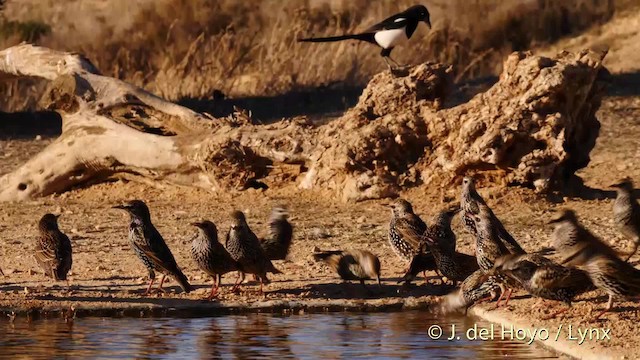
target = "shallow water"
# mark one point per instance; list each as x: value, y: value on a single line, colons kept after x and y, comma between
x: 380, y: 335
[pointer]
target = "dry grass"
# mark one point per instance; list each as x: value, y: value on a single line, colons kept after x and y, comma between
x: 190, y: 48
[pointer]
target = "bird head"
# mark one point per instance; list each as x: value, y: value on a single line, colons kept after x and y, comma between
x: 49, y: 222
x: 564, y: 215
x: 468, y: 183
x: 279, y: 212
x: 421, y: 13
x: 237, y: 219
x: 623, y: 184
x: 136, y: 208
x: 401, y: 207
x: 207, y: 227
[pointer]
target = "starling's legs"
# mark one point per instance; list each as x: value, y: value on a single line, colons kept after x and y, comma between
x: 607, y: 308
x: 214, y: 288
x: 509, y: 291
x: 160, y: 289
x: 1, y: 273
x: 502, y: 291
x: 555, y: 314
x: 149, y: 287
x: 236, y: 286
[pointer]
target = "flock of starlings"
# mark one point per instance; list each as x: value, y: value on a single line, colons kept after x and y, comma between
x: 499, y: 265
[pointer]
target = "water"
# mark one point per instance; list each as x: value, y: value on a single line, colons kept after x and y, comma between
x: 330, y: 336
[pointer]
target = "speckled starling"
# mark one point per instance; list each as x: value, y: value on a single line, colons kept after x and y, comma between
x: 477, y: 287
x: 626, y: 213
x: 245, y: 249
x: 490, y: 247
x: 453, y: 265
x: 53, y: 248
x: 150, y: 247
x: 210, y: 254
x: 276, y: 245
x: 574, y: 242
x: 471, y: 202
x: 614, y: 276
x: 406, y: 230
x: 543, y: 278
x: 352, y: 264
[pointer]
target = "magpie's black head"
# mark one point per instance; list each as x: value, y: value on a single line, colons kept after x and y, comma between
x: 135, y: 208
x: 421, y: 13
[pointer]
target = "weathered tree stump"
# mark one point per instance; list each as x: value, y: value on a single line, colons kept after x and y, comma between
x: 535, y: 126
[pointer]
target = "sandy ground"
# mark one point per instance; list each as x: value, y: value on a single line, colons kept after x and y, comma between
x: 107, y: 275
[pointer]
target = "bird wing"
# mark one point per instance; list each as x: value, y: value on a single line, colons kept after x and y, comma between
x: 45, y: 252
x: 393, y: 22
x: 158, y: 251
x: 412, y: 231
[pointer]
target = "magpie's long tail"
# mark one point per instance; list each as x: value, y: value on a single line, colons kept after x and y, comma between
x: 369, y: 37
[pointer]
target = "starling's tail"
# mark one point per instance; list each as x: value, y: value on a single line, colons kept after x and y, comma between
x: 272, y: 269
x: 59, y: 274
x: 183, y: 281
x: 368, y: 37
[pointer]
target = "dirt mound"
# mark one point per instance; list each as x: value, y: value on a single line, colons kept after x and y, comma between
x: 535, y: 127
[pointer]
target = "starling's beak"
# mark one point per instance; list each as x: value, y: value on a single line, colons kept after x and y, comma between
x: 554, y: 220
x: 122, y: 207
x: 455, y: 210
x: 615, y: 185
x: 196, y: 224
x: 428, y: 22
x: 57, y: 216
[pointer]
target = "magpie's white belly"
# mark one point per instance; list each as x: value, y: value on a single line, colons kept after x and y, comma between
x: 390, y: 38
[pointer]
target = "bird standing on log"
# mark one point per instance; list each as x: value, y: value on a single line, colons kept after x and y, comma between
x: 210, y: 255
x: 276, y: 245
x: 245, y: 249
x: 53, y: 249
x: 150, y: 247
x: 388, y: 33
x: 626, y: 213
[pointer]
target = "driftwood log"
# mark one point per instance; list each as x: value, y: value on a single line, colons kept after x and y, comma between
x: 534, y: 127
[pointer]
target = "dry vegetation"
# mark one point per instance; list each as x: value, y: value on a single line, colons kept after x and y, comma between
x: 191, y: 48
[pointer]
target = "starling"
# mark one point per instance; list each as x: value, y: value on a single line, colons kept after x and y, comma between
x: 210, y: 254
x: 477, y: 287
x: 441, y: 241
x: 150, y: 247
x: 626, y: 213
x: 352, y: 264
x: 490, y: 247
x: 471, y: 202
x: 53, y: 248
x: 614, y: 276
x: 544, y: 278
x: 245, y: 249
x: 419, y: 264
x: 574, y: 242
x: 406, y: 230
x: 277, y: 244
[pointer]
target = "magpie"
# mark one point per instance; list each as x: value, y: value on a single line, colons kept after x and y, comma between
x: 388, y: 33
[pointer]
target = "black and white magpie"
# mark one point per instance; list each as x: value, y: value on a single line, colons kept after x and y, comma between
x: 388, y: 33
